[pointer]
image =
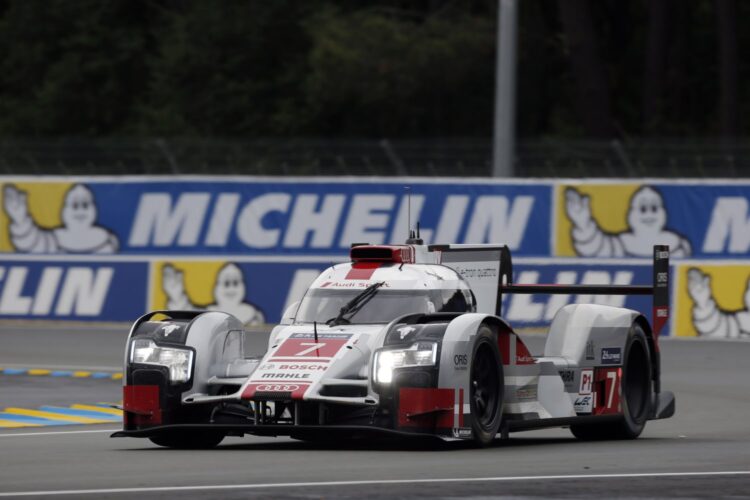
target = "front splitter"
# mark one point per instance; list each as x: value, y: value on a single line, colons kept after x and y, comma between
x: 305, y: 431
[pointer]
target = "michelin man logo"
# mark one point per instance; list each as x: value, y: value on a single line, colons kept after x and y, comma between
x: 710, y: 320
x: 78, y: 233
x: 229, y: 294
x: 404, y: 331
x: 647, y: 220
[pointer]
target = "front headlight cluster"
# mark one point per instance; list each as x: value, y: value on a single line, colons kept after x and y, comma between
x: 419, y: 354
x: 179, y: 361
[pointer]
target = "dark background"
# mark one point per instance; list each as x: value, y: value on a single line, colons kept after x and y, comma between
x: 660, y: 78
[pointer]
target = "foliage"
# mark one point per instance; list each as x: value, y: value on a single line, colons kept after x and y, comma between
x: 389, y: 68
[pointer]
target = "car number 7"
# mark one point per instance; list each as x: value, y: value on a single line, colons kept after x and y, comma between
x: 313, y: 346
x: 612, y: 375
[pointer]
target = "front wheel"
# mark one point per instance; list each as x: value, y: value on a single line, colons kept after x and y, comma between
x: 188, y: 440
x: 486, y: 387
x: 636, y: 392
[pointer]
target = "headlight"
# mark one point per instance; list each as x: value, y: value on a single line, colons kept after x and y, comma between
x: 179, y: 361
x: 419, y: 354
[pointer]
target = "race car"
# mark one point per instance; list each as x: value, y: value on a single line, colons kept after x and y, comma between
x: 403, y: 340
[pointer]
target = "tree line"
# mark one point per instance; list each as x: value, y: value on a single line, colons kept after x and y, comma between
x: 371, y: 69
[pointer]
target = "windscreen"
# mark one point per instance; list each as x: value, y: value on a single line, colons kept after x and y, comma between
x: 322, y: 305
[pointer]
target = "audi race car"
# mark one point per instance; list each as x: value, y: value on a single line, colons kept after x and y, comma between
x: 404, y: 340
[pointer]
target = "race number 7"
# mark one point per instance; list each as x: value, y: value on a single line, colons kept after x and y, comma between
x: 607, y: 382
x: 612, y: 387
x: 313, y: 347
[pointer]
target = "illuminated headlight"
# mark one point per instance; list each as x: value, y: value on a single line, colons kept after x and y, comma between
x: 179, y: 361
x: 419, y: 354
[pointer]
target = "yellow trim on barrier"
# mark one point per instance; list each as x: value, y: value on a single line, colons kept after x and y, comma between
x: 81, y: 374
x: 117, y: 376
x: 101, y: 409
x: 39, y: 371
x: 54, y: 416
x: 12, y: 424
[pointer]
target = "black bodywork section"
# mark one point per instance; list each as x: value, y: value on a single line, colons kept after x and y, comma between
x: 171, y: 332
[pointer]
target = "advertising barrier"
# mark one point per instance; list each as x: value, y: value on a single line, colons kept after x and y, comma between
x: 624, y: 219
x: 323, y: 216
x: 109, y: 249
x: 712, y: 299
x: 709, y: 299
x: 252, y: 216
x: 254, y: 290
x: 74, y: 289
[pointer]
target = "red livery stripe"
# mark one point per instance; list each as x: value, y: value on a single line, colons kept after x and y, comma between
x: 297, y: 389
x: 362, y: 270
x: 426, y: 408
x: 141, y: 404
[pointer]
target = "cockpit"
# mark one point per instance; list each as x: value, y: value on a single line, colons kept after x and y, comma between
x: 381, y: 305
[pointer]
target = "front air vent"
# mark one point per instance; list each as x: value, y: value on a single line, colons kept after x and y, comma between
x: 382, y: 253
x: 344, y: 391
x: 272, y: 396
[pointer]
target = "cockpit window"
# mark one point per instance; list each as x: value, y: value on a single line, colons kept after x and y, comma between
x: 322, y: 305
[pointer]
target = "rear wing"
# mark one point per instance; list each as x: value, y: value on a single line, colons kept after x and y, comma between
x: 489, y: 271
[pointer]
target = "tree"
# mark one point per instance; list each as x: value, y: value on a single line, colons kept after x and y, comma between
x: 72, y: 67
x: 726, y: 29
x: 592, y: 94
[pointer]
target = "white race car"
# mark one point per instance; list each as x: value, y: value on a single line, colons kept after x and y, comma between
x: 404, y: 340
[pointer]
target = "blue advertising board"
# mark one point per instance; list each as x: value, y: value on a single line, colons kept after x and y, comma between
x: 255, y: 290
x: 251, y: 216
x: 707, y: 220
x: 73, y: 290
x: 323, y: 216
x: 117, y: 247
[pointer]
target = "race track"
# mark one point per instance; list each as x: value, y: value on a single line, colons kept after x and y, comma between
x: 704, y: 451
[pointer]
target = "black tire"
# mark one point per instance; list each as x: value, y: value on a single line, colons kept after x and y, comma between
x: 188, y: 440
x: 635, y: 397
x: 485, y: 387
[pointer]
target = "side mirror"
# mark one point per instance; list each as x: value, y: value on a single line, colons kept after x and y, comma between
x: 289, y: 314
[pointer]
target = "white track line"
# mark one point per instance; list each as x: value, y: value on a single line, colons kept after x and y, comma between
x: 20, y: 434
x: 155, y: 489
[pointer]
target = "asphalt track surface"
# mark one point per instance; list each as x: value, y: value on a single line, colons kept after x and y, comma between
x: 704, y: 451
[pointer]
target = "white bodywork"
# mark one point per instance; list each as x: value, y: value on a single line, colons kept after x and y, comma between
x: 324, y: 350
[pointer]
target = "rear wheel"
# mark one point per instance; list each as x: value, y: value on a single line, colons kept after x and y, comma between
x: 486, y: 387
x: 188, y: 440
x: 636, y: 389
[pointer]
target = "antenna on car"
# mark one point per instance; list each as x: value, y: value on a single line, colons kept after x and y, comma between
x: 315, y: 331
x: 408, y: 211
x: 412, y: 237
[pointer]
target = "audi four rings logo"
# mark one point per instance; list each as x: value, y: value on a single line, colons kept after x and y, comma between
x: 277, y: 387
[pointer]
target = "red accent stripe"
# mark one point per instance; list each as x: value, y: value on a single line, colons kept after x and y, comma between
x: 141, y: 404
x: 503, y: 341
x: 660, y: 315
x: 523, y: 356
x: 362, y: 270
x: 607, y: 391
x: 298, y: 393
x: 426, y: 408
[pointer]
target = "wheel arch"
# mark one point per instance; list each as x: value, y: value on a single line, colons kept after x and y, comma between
x: 653, y: 348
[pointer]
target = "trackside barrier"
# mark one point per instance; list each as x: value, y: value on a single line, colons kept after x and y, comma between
x: 306, y: 216
x: 120, y: 288
x: 111, y: 248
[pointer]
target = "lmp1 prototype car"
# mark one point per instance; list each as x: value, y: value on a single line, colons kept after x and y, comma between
x: 404, y: 340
